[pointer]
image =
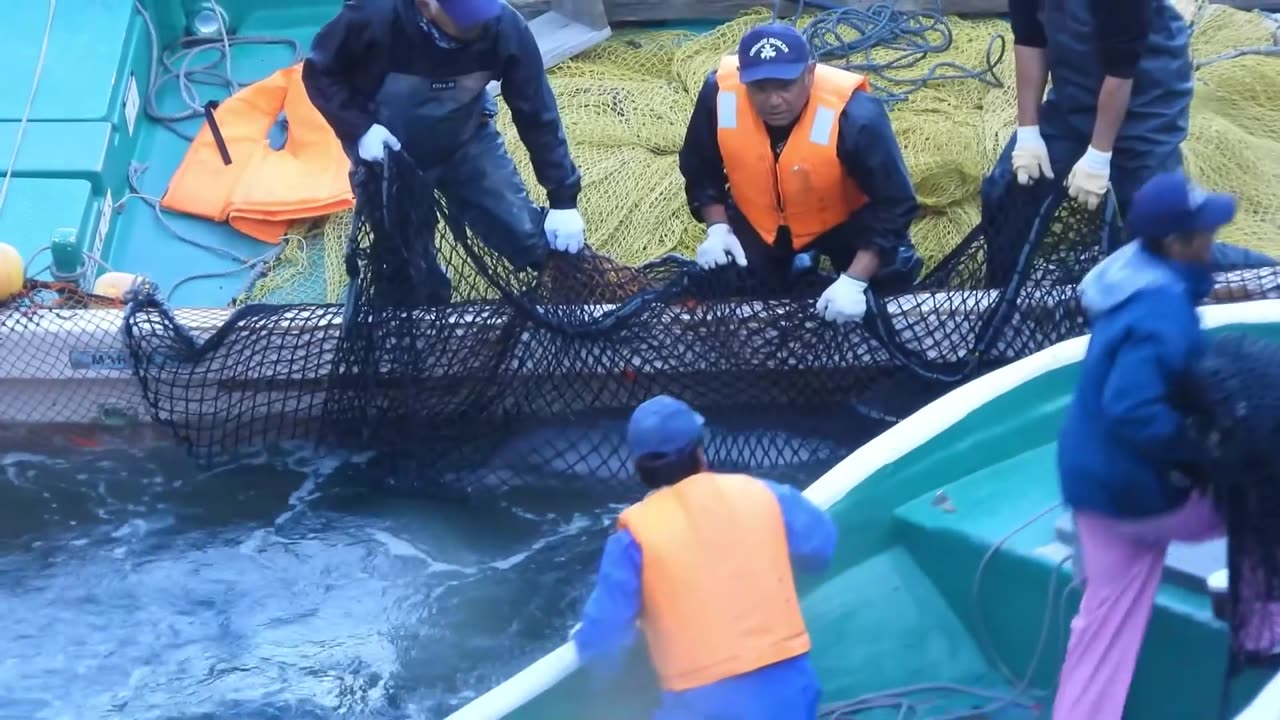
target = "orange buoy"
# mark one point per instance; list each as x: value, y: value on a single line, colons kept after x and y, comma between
x: 114, y: 284
x: 12, y: 272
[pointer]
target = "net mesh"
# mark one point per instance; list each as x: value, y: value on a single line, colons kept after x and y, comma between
x: 523, y: 371
x: 528, y: 375
x: 625, y: 106
x: 1238, y: 425
x: 58, y: 340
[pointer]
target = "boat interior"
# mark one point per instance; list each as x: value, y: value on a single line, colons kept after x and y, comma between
x: 954, y: 569
x: 91, y: 144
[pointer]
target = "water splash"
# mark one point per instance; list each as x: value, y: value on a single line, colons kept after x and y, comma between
x: 277, y: 587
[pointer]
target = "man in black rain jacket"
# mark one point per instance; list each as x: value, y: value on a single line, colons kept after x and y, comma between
x: 411, y: 75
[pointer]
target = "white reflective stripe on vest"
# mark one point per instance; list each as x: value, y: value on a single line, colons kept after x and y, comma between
x: 824, y: 118
x: 727, y: 110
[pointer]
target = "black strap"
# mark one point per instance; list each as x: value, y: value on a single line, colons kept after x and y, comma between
x: 209, y: 107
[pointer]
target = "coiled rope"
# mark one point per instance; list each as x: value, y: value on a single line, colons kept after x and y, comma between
x: 910, y: 35
x: 174, y: 64
x: 177, y: 64
x: 1021, y: 695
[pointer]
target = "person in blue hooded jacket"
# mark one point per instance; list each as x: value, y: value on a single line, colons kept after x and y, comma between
x: 412, y: 75
x: 1124, y: 452
x: 1117, y: 110
x: 704, y: 565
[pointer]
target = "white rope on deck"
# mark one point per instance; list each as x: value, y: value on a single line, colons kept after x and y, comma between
x: 26, y: 113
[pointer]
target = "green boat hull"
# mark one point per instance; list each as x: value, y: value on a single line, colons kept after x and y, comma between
x: 918, y: 510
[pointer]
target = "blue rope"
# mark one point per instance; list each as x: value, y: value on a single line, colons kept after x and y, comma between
x: 913, y: 34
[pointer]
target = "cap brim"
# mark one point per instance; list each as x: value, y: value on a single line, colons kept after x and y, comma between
x: 1218, y: 209
x: 773, y: 71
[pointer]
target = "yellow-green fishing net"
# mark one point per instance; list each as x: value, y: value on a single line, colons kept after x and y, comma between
x: 626, y: 103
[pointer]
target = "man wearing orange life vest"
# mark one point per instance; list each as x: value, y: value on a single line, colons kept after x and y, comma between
x: 784, y: 157
x: 704, y: 564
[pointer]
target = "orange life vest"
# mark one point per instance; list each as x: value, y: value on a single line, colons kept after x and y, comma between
x: 806, y: 188
x: 718, y: 595
x: 264, y: 191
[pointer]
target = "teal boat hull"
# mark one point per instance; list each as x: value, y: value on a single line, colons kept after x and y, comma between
x: 964, y: 490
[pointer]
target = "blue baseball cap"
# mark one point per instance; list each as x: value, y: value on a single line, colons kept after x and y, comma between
x: 775, y: 51
x: 1170, y: 204
x: 470, y: 13
x: 663, y: 425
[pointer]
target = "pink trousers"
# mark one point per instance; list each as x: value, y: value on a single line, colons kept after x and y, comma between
x: 1122, y: 562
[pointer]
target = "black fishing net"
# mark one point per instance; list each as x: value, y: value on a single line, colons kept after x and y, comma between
x: 501, y: 375
x: 1235, y: 413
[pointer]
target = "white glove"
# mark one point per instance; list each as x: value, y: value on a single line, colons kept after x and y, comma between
x: 374, y: 143
x: 565, y: 230
x: 1090, y: 178
x: 719, y: 246
x: 845, y: 301
x: 1219, y: 581
x: 1030, y: 155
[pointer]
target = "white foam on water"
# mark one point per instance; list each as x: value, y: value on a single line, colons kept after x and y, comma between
x: 12, y: 458
x: 400, y: 547
x: 136, y: 527
x: 308, y: 490
x: 576, y: 526
x: 21, y: 469
x: 229, y: 591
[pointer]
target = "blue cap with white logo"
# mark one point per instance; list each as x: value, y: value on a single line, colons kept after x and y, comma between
x: 775, y: 51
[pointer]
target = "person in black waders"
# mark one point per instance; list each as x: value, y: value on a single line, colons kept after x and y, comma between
x: 1116, y: 111
x: 411, y: 75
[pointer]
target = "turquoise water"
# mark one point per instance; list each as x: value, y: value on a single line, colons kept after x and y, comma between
x: 133, y: 585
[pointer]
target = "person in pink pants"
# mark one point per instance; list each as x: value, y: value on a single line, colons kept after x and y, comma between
x: 1123, y: 561
x: 1125, y: 455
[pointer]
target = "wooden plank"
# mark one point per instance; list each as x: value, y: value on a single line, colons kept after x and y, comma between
x: 587, y: 12
x: 561, y: 36
x: 619, y: 11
